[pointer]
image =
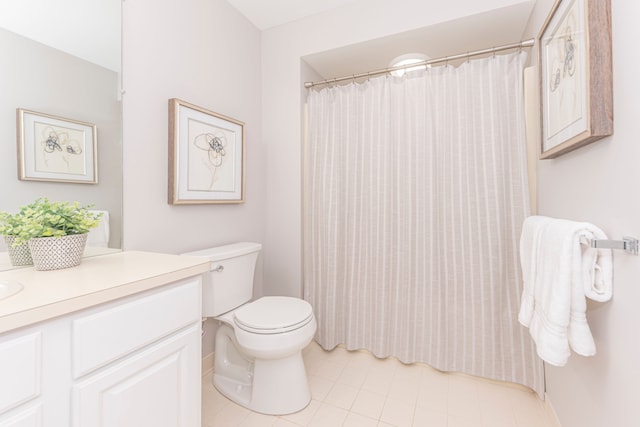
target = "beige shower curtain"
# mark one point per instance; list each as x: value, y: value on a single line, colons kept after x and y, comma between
x: 415, y: 192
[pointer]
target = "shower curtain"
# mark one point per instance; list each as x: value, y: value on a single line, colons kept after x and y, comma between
x: 415, y: 190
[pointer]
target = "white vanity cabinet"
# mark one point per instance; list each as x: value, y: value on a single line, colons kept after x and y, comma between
x: 133, y: 361
x: 21, y: 379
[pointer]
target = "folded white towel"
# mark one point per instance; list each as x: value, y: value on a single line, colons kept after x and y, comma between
x: 558, y: 272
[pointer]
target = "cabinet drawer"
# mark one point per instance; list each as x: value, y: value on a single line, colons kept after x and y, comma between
x: 20, y: 369
x: 104, y: 336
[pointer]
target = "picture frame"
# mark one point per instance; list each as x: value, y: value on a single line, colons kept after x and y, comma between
x: 56, y: 149
x: 206, y: 156
x: 576, y: 78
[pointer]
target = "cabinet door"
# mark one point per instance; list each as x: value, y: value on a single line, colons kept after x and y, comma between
x: 20, y: 368
x: 31, y: 417
x: 34, y: 375
x: 158, y: 386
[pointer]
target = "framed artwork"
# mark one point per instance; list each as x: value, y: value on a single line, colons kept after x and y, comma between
x: 575, y: 68
x: 56, y: 149
x: 206, y: 156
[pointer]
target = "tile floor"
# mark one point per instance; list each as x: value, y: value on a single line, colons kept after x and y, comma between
x: 355, y: 389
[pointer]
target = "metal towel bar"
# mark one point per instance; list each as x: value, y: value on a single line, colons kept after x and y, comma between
x: 628, y: 244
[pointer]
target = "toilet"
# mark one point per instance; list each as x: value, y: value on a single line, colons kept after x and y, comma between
x: 258, y: 355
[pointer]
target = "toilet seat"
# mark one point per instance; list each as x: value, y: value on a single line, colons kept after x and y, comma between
x: 273, y: 315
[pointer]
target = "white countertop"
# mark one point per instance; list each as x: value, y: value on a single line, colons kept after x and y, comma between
x: 48, y: 294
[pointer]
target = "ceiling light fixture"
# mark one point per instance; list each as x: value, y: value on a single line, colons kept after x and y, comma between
x: 408, y: 59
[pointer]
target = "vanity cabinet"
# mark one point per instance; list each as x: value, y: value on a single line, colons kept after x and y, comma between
x: 21, y: 378
x: 134, y: 361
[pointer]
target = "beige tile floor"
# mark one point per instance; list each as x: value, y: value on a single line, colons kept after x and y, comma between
x: 355, y: 389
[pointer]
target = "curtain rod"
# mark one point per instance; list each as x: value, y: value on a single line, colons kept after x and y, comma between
x: 519, y: 45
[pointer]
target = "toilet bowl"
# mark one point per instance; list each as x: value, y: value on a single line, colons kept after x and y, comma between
x: 258, y: 346
x: 258, y: 364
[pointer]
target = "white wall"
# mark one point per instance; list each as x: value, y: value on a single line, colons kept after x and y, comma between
x: 282, y: 48
x: 206, y: 53
x: 598, y: 184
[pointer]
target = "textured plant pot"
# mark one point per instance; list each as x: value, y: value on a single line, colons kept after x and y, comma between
x: 55, y: 253
x: 19, y: 255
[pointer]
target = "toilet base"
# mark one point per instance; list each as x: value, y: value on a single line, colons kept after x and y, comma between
x: 268, y: 386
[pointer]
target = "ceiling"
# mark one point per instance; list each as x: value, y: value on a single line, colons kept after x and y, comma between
x: 99, y: 21
x: 59, y: 23
x: 494, y: 28
x: 490, y: 29
x: 271, y: 13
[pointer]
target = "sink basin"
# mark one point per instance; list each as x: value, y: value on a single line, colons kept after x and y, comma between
x: 8, y: 288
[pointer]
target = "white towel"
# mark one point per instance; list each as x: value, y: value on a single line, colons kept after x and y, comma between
x: 529, y: 249
x: 558, y: 272
x: 597, y: 270
x: 99, y: 236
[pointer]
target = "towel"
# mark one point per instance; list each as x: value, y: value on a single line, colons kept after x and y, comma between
x: 99, y: 236
x: 598, y: 270
x: 529, y: 249
x: 558, y: 272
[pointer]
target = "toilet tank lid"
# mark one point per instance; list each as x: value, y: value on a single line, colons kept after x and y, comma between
x: 227, y: 251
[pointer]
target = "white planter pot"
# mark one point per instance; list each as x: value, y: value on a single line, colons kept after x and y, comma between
x: 19, y: 255
x: 54, y: 253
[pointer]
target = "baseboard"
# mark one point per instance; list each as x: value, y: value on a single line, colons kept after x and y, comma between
x: 207, y: 364
x: 550, y: 412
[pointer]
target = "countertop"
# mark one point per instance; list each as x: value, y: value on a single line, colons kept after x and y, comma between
x: 97, y: 280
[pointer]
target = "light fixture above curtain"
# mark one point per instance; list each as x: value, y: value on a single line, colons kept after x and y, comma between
x: 407, y: 59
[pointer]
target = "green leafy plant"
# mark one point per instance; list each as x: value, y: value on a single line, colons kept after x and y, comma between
x: 43, y: 218
x: 10, y: 224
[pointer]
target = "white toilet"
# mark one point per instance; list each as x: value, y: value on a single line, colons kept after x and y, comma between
x: 258, y: 354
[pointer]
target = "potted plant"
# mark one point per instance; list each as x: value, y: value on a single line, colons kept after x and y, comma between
x: 10, y: 227
x: 56, y: 232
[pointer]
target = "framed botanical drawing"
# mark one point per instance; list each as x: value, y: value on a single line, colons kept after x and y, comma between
x: 206, y: 156
x: 576, y: 85
x: 56, y: 149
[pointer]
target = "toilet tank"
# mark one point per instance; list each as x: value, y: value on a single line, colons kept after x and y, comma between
x: 229, y: 282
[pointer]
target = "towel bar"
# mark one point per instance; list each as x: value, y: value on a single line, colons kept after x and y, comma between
x: 628, y: 244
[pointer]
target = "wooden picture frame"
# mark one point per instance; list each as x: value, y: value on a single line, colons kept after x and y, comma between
x: 56, y: 149
x: 206, y: 156
x: 576, y: 78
